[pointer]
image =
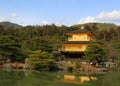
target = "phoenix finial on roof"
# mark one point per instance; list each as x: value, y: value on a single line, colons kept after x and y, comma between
x: 82, y: 27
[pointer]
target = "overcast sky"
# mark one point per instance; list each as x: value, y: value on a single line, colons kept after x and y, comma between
x: 59, y: 12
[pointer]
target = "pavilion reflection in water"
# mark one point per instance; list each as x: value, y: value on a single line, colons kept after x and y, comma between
x: 77, y: 79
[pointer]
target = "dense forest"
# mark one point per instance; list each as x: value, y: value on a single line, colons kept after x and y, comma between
x: 20, y: 43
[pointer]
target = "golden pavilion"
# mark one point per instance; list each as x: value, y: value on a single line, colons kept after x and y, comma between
x: 77, y: 43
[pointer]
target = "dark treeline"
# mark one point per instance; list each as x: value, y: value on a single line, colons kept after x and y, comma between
x: 16, y: 42
x: 109, y: 35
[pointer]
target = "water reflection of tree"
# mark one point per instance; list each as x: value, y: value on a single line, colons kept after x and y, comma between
x: 10, y: 78
x: 35, y: 78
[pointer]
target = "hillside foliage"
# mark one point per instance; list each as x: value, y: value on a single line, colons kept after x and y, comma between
x: 46, y: 38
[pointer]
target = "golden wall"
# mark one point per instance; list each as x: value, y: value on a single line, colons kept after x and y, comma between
x: 74, y: 47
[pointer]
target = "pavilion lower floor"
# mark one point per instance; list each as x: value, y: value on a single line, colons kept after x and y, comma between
x: 73, y: 55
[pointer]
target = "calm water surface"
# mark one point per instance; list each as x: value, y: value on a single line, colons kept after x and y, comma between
x: 34, y: 78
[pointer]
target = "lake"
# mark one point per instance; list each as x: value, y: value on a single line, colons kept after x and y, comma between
x: 35, y: 78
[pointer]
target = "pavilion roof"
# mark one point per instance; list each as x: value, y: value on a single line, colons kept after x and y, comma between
x: 77, y: 42
x: 81, y: 30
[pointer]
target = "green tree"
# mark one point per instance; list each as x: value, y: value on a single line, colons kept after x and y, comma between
x: 40, y: 44
x: 1, y: 29
x: 117, y: 49
x: 10, y: 48
x: 41, y: 60
x: 95, y: 53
